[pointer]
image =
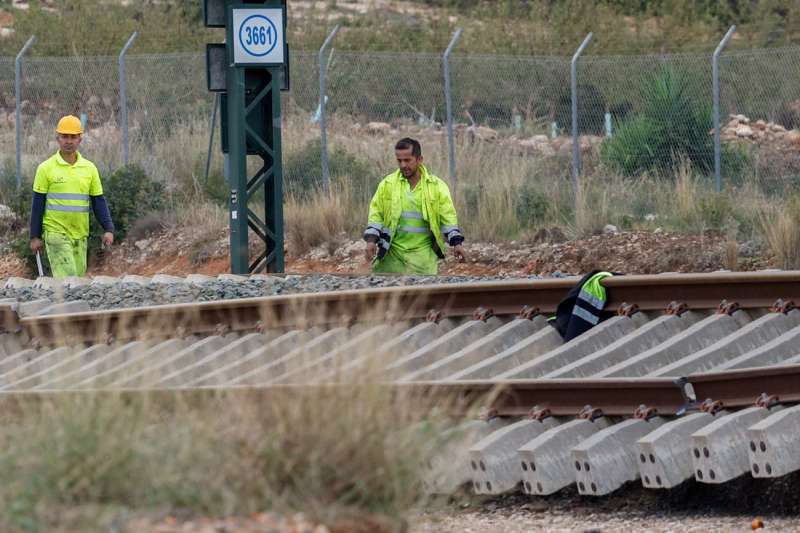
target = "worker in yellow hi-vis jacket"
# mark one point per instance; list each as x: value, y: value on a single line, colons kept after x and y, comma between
x: 66, y: 187
x: 411, y: 216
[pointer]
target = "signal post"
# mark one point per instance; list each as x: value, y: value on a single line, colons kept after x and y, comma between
x: 250, y: 69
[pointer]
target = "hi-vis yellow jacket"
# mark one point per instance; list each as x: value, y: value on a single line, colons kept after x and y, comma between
x: 437, y: 209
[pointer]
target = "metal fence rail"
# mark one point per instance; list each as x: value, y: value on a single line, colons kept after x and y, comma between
x: 508, y: 99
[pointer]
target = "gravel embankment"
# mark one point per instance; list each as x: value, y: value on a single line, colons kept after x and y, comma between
x: 523, y: 521
x: 135, y: 295
x: 690, y: 507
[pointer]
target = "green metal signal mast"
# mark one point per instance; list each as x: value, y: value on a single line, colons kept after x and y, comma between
x: 249, y: 70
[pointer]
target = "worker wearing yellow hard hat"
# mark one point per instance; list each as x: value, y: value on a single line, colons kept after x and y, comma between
x: 66, y: 187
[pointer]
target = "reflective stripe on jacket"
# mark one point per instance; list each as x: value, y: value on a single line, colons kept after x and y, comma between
x: 583, y: 306
x: 386, y: 208
x: 69, y: 189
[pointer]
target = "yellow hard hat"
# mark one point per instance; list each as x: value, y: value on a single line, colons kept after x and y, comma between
x: 69, y: 124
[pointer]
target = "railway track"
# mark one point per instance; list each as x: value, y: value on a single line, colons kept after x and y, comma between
x: 696, y: 377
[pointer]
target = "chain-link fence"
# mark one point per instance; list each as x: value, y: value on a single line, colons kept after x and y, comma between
x: 636, y: 114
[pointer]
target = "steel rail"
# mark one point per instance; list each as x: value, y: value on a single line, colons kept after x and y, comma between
x: 740, y: 388
x: 562, y: 397
x: 751, y: 290
x: 508, y: 398
x: 298, y: 310
x: 614, y: 397
x: 649, y: 292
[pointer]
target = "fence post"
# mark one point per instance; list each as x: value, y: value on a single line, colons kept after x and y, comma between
x: 715, y: 97
x: 576, y: 149
x: 123, y: 100
x: 323, y: 132
x: 17, y: 103
x: 211, y: 134
x: 448, y: 100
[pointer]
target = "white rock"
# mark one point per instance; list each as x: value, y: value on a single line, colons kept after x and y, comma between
x: 232, y: 277
x: 538, y: 144
x: 487, y: 133
x: 75, y: 281
x: 744, y: 131
x: 650, y: 217
x: 46, y: 282
x: 5, y: 212
x: 199, y: 278
x: 18, y: 283
x: 378, y: 128
x: 610, y: 229
x: 105, y: 280
x: 142, y: 244
x: 166, y: 278
x: 132, y: 278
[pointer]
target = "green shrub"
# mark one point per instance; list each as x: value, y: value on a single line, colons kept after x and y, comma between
x: 17, y: 234
x: 633, y: 148
x: 18, y: 200
x: 216, y: 189
x: 469, y: 197
x: 715, y: 210
x: 671, y: 126
x: 734, y: 161
x: 130, y: 194
x: 303, y: 172
x: 531, y: 205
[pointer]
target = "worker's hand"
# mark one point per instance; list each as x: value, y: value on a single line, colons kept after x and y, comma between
x: 107, y: 238
x: 459, y: 253
x: 36, y: 245
x: 371, y: 251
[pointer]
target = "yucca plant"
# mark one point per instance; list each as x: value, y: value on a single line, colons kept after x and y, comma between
x: 671, y: 125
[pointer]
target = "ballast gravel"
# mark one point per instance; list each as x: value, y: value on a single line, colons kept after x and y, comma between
x: 523, y: 521
x: 121, y: 295
x: 740, y: 504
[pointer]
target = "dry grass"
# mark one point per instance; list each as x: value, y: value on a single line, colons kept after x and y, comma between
x: 323, y: 219
x: 203, y: 225
x: 501, y: 193
x: 781, y: 229
x: 731, y: 258
x: 205, y: 220
x: 354, y: 453
x: 686, y: 193
x: 351, y: 453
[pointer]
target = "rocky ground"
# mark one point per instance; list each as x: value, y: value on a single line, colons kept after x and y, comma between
x: 740, y: 505
x: 584, y: 520
x: 342, y: 267
x: 630, y: 252
x: 134, y: 295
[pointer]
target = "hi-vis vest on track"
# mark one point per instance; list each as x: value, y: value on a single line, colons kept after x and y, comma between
x: 583, y: 307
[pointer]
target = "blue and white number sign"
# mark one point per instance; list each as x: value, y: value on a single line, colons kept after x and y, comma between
x: 258, y: 36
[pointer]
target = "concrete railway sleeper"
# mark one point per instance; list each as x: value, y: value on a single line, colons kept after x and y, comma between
x: 705, y: 389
